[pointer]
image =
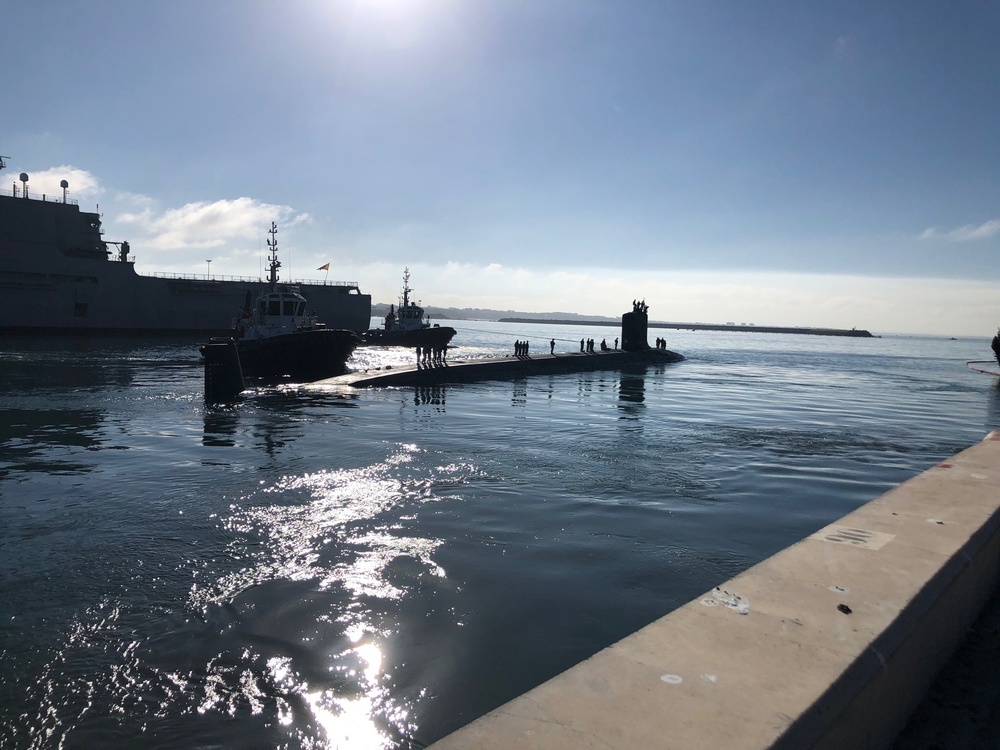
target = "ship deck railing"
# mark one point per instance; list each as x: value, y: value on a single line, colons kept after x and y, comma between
x: 248, y: 279
x: 15, y: 193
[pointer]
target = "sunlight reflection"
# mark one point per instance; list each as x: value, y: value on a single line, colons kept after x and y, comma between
x: 365, y: 575
x: 281, y: 675
x: 373, y: 658
x: 332, y: 529
x: 347, y: 723
x: 301, y: 537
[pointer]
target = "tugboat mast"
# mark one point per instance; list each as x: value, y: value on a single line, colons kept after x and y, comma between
x: 406, y: 287
x: 2, y: 164
x: 275, y: 264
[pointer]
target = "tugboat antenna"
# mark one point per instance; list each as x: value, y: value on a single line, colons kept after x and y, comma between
x: 272, y: 245
x: 2, y: 164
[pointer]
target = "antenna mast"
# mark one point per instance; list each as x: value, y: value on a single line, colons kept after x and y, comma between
x: 275, y: 264
x: 406, y: 287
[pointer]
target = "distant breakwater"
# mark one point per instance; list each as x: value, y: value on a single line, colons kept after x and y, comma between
x: 855, y: 332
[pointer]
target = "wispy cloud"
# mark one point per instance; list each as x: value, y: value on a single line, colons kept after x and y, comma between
x: 965, y: 233
x: 843, y: 47
x: 207, y: 224
x: 82, y: 184
x: 202, y: 224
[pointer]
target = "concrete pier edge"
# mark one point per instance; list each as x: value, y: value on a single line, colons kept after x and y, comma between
x: 830, y: 643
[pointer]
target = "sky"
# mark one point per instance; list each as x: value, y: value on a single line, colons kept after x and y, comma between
x: 777, y: 163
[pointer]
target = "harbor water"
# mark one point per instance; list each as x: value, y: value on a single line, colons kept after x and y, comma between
x: 312, y: 568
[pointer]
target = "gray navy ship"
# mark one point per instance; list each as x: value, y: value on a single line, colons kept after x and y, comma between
x: 58, y: 274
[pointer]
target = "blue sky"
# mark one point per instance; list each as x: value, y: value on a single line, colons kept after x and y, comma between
x: 823, y: 163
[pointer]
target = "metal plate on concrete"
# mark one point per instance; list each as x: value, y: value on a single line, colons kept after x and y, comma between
x: 853, y: 537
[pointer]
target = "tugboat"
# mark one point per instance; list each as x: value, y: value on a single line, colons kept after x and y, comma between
x: 406, y: 326
x: 277, y: 339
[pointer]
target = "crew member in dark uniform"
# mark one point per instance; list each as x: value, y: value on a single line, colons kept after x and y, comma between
x: 996, y: 346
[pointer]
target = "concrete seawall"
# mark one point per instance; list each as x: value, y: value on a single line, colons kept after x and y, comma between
x: 503, y: 368
x: 830, y: 643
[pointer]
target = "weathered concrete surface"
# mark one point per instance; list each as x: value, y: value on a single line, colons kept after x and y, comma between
x: 831, y: 643
x: 502, y: 368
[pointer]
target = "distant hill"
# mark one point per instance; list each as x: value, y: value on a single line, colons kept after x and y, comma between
x: 380, y: 309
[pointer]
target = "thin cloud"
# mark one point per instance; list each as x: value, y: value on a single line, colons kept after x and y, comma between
x: 843, y: 47
x: 82, y: 184
x: 206, y: 224
x: 967, y: 233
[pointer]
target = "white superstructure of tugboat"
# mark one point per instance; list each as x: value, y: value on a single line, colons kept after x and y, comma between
x: 278, y: 338
x: 406, y: 326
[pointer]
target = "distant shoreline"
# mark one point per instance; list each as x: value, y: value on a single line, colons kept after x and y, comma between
x: 852, y: 332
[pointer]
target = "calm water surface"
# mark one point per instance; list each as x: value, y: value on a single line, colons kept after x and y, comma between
x: 315, y: 569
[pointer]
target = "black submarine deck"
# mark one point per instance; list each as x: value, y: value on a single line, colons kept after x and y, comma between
x: 501, y: 368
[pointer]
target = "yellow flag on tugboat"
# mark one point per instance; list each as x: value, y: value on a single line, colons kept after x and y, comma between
x: 324, y: 267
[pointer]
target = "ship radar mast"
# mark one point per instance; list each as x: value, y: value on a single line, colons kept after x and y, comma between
x: 3, y: 164
x: 275, y: 264
x: 406, y: 287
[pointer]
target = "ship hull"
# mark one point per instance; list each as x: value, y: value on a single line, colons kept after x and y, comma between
x: 301, y: 357
x: 117, y: 303
x: 56, y: 274
x: 436, y: 337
